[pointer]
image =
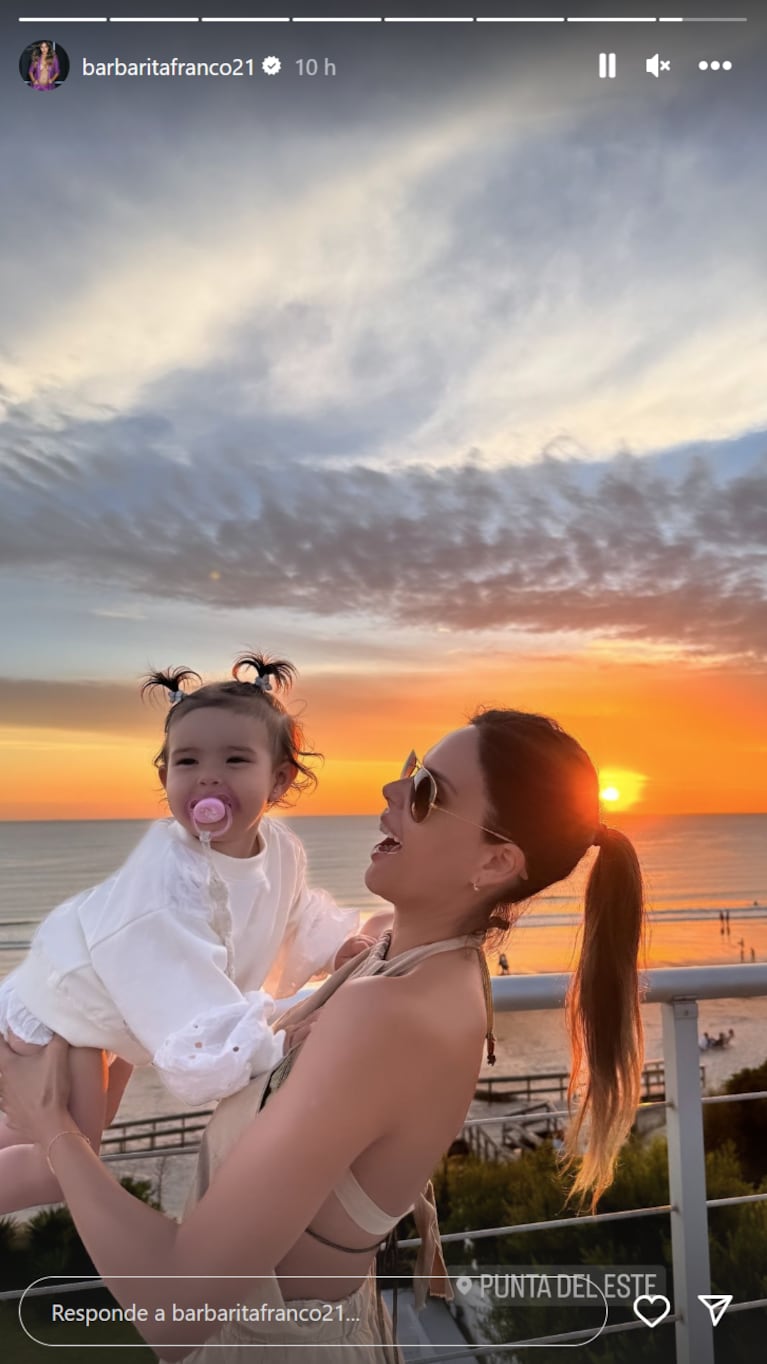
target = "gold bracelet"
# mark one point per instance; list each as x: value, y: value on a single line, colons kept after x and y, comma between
x: 65, y: 1132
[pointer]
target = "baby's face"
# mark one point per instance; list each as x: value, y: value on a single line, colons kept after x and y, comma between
x: 227, y: 754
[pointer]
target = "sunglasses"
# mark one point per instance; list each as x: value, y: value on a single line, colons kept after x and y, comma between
x: 424, y: 794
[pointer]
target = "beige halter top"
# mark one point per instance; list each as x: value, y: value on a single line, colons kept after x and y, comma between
x: 234, y: 1114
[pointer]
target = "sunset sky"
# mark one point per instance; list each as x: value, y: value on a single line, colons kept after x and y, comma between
x: 446, y: 381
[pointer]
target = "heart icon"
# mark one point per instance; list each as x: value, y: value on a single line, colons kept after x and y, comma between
x: 464, y: 1284
x: 656, y: 1309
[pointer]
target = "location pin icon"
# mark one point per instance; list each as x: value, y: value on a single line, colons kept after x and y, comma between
x: 464, y: 1284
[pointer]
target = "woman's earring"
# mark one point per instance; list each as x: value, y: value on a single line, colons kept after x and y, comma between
x: 474, y: 885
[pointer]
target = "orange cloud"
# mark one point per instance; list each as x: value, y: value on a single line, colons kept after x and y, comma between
x: 696, y: 735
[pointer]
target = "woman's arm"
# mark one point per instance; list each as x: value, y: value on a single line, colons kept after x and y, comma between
x: 331, y: 1108
x: 25, y: 1178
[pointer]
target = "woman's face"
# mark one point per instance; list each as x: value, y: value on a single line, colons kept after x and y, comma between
x: 438, y: 860
x: 45, y: 49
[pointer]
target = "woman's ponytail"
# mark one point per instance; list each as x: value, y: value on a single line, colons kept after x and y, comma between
x: 543, y: 794
x: 604, y: 1017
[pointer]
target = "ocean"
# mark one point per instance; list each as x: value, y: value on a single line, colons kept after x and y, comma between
x: 695, y: 866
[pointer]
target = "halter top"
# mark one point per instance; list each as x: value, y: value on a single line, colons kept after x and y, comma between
x: 236, y: 1112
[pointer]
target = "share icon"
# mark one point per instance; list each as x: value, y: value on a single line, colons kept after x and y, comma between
x: 716, y: 1305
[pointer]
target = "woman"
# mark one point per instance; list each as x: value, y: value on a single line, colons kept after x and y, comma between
x: 345, y: 1144
x: 44, y: 69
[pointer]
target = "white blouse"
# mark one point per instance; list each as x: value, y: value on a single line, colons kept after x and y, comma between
x: 176, y: 959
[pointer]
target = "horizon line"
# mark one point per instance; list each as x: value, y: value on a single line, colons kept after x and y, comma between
x: 364, y: 814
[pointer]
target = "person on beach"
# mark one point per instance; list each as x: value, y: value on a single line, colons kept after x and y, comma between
x: 305, y: 1170
x: 176, y: 959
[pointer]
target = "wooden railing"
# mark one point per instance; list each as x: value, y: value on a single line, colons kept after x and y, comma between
x: 163, y: 1133
x: 553, y: 1084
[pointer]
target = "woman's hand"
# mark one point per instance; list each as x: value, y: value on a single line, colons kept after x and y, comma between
x: 351, y: 948
x: 361, y: 942
x: 297, y: 1033
x: 34, y: 1090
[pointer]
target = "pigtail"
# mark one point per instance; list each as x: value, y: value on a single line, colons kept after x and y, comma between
x: 604, y: 1017
x: 259, y: 697
x: 172, y: 681
x: 283, y: 672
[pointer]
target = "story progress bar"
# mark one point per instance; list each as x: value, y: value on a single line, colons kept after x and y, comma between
x: 382, y: 19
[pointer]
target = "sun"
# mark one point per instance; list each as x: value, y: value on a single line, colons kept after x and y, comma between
x: 619, y: 788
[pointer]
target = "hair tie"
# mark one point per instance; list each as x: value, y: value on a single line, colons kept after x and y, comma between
x: 600, y: 836
x: 175, y: 696
x: 262, y: 683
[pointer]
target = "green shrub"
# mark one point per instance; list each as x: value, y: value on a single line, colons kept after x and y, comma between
x: 49, y: 1243
x: 743, y: 1124
x: 14, y: 1261
x: 53, y: 1245
x: 472, y: 1194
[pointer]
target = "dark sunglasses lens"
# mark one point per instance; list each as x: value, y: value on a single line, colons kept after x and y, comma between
x: 423, y: 795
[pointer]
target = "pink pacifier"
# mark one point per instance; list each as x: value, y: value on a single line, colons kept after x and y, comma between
x: 211, y: 810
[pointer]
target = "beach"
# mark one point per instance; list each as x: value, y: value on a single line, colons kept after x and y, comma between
x: 40, y: 864
x: 531, y: 1042
x: 536, y: 1042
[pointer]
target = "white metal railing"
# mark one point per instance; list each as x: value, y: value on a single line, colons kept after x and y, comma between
x: 678, y: 992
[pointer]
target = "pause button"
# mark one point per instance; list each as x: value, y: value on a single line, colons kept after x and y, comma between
x: 607, y: 64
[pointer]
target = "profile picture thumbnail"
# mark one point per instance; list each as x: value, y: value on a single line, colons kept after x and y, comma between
x: 44, y: 65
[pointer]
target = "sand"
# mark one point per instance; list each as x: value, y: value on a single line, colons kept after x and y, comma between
x: 537, y: 1041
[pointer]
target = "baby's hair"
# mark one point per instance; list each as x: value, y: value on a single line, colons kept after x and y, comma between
x: 283, y: 672
x: 258, y: 698
x: 172, y: 680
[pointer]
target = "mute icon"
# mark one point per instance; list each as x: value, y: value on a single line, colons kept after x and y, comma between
x: 655, y: 65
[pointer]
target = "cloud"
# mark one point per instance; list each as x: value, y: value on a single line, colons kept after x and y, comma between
x: 85, y: 707
x: 119, y: 613
x: 365, y: 383
x: 621, y: 550
x: 498, y: 271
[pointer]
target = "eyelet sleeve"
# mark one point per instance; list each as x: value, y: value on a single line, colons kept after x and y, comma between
x: 169, y: 980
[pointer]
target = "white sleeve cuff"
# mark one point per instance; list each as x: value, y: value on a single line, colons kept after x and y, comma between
x: 218, y: 1052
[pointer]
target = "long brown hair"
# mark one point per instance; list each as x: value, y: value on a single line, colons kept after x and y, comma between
x: 543, y: 793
